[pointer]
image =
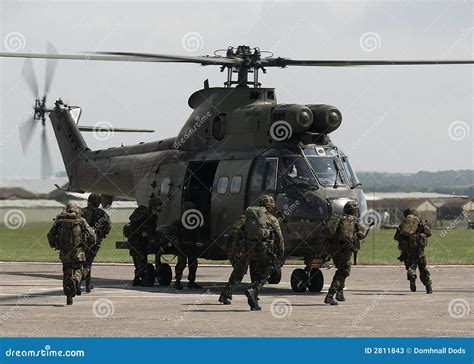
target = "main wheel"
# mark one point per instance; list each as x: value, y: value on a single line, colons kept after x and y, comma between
x: 298, y: 280
x: 316, y: 280
x: 164, y: 274
x: 150, y: 276
x: 275, y: 278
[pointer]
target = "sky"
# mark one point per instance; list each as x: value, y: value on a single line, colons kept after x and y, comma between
x: 395, y: 119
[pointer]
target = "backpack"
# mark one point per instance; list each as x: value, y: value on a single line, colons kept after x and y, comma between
x: 345, y: 229
x: 68, y: 232
x: 409, y: 225
x: 257, y: 224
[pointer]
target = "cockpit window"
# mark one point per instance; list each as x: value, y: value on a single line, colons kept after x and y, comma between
x: 294, y: 172
x: 326, y: 166
x: 350, y: 172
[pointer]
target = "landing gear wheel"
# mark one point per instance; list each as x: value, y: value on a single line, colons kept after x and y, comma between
x: 316, y: 280
x: 150, y: 276
x: 164, y: 274
x: 298, y: 280
x: 275, y: 278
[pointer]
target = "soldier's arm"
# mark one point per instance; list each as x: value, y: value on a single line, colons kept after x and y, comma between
x: 360, y: 232
x: 89, y: 233
x: 279, y: 240
x: 237, y: 235
x: 397, y: 234
x: 107, y: 223
x: 426, y: 229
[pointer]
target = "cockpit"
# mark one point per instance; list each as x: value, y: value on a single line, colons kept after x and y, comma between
x: 303, y: 168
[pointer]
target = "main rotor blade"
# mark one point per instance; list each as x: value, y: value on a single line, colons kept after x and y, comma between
x: 119, y: 130
x: 28, y: 73
x: 283, y: 62
x: 26, y: 130
x: 46, y: 164
x: 50, y: 68
x: 129, y: 57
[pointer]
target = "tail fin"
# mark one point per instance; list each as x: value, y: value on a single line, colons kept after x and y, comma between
x: 71, y: 143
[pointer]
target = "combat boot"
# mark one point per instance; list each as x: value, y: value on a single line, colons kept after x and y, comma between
x: 413, y: 284
x: 224, y: 299
x: 136, y: 281
x: 194, y: 285
x: 177, y: 285
x: 252, y: 300
x: 330, y: 299
x: 340, y: 296
x: 429, y: 289
x: 68, y: 300
x: 89, y: 286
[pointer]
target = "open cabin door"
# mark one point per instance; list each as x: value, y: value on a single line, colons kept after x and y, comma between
x: 228, y: 195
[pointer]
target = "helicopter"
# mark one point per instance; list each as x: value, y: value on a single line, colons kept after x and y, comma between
x: 237, y: 144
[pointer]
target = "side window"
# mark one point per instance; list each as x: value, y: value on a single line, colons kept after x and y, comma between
x: 264, y: 175
x: 236, y: 184
x: 222, y: 185
x: 165, y: 186
x: 271, y: 173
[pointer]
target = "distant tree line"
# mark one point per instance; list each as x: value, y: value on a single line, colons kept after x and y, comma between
x: 451, y: 182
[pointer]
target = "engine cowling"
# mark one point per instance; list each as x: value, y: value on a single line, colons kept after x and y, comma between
x: 327, y: 118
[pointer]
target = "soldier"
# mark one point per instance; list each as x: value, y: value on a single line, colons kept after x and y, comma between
x: 347, y: 235
x: 412, y: 236
x: 141, y: 233
x: 72, y: 236
x: 256, y: 240
x: 99, y: 220
x: 192, y: 261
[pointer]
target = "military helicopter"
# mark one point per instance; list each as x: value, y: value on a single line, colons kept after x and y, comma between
x: 237, y: 144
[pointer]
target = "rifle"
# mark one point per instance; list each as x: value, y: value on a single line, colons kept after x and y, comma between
x: 372, y: 223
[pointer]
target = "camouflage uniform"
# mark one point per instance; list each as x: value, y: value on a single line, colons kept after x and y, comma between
x: 412, y: 249
x: 99, y: 220
x: 141, y: 231
x: 341, y: 252
x: 192, y: 262
x: 71, y: 252
x: 261, y: 255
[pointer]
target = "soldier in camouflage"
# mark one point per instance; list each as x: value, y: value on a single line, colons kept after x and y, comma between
x: 412, y: 236
x: 141, y: 233
x: 72, y: 236
x: 99, y: 220
x: 348, y: 234
x: 260, y: 253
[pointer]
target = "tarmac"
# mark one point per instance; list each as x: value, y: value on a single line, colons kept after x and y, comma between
x: 378, y: 303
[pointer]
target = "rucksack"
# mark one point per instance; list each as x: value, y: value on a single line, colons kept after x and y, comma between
x: 69, y: 232
x: 409, y: 225
x: 345, y: 229
x: 257, y: 224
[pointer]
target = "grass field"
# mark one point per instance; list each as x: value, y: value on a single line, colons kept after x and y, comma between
x: 452, y: 247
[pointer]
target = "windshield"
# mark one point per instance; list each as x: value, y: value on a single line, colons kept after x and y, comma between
x: 293, y: 171
x: 328, y: 169
x: 350, y: 172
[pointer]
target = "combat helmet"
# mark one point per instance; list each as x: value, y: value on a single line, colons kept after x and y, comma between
x: 94, y: 199
x: 351, y: 208
x: 409, y: 211
x: 267, y: 201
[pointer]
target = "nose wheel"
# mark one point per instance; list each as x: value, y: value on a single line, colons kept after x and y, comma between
x: 302, y: 280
